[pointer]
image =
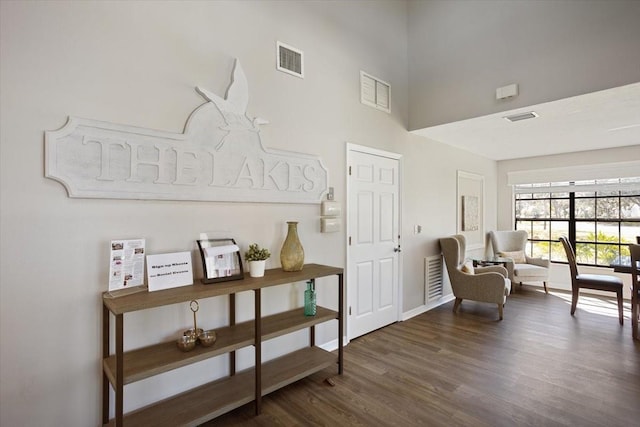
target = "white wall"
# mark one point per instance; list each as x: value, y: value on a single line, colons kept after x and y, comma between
x: 137, y: 63
x: 461, y: 51
x: 430, y: 200
x: 559, y: 274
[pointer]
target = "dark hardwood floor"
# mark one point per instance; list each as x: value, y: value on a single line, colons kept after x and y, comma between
x: 538, y: 367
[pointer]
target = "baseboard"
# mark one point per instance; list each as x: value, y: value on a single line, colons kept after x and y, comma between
x: 424, y: 308
x: 333, y: 344
x: 414, y: 312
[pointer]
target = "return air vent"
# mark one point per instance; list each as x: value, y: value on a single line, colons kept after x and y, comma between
x: 290, y: 60
x: 374, y: 92
x: 521, y: 116
x: 433, y: 278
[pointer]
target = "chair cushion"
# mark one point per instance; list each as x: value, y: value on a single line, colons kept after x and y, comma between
x: 529, y: 270
x: 516, y: 256
x: 599, y: 281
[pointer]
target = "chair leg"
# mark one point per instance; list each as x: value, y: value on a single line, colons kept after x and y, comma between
x: 546, y: 291
x: 500, y: 308
x: 634, y: 319
x: 457, y: 304
x: 574, y: 301
x: 620, y: 312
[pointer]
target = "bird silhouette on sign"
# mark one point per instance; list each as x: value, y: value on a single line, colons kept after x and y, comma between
x: 234, y: 106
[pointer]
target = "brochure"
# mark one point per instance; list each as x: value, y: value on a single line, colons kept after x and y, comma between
x: 126, y: 264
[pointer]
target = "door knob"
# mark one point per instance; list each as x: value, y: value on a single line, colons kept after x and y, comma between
x: 397, y: 249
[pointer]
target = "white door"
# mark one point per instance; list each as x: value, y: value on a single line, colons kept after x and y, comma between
x: 373, y: 241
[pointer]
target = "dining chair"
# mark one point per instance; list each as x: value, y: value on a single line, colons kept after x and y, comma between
x: 600, y: 282
x: 635, y: 288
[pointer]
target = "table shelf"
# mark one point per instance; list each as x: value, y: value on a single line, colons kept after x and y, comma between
x: 159, y: 358
x: 211, y: 400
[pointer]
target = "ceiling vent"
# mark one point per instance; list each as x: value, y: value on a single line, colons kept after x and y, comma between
x: 521, y: 116
x: 290, y: 60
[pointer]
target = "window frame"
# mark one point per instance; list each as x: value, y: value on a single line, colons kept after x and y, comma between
x: 619, y: 247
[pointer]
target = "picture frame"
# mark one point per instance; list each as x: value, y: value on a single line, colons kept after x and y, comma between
x: 470, y: 208
x: 221, y: 260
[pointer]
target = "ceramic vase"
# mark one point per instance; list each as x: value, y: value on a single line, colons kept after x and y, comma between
x: 292, y: 253
x: 256, y: 268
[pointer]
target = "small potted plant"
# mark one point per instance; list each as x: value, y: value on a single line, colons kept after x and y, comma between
x: 256, y: 257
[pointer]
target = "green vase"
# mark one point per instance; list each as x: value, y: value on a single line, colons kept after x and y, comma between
x: 292, y: 253
x: 310, y: 299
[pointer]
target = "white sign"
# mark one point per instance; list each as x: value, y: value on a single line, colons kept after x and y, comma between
x: 166, y: 271
x: 219, y: 157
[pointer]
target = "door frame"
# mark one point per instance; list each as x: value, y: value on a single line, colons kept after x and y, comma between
x: 382, y: 153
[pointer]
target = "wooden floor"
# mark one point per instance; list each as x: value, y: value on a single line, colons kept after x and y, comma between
x: 538, y: 367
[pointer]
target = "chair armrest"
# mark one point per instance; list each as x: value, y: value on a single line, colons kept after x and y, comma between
x: 538, y: 261
x: 492, y: 268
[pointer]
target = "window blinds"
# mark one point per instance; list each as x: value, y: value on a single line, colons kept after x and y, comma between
x: 622, y: 176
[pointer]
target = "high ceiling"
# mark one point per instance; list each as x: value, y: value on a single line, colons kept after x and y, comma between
x: 604, y: 119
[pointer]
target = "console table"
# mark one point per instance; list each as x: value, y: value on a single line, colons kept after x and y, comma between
x: 213, y: 399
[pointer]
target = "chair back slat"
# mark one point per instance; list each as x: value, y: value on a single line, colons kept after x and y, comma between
x: 635, y: 258
x: 571, y: 257
x: 635, y: 288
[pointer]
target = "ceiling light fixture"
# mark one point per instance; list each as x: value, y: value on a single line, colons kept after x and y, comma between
x: 521, y: 116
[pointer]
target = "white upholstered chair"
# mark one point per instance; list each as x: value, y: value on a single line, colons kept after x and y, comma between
x: 524, y: 269
x: 485, y: 284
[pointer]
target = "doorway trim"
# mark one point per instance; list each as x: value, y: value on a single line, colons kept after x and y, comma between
x: 350, y: 147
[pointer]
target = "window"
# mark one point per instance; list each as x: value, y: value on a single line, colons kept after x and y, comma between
x: 600, y: 218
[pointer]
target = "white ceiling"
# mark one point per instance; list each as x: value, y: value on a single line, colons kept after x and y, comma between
x: 604, y: 119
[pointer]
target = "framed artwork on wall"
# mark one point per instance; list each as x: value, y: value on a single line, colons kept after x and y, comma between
x: 470, y: 208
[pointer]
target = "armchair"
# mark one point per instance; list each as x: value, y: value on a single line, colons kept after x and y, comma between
x: 511, y: 244
x: 484, y: 284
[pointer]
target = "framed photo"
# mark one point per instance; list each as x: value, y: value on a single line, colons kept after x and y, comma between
x: 470, y: 213
x: 221, y: 260
x: 470, y: 208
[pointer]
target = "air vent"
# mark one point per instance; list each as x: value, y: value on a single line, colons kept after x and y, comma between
x: 521, y: 116
x: 374, y: 92
x: 290, y: 60
x: 433, y: 278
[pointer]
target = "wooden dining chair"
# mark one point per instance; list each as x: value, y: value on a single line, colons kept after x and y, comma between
x: 635, y: 289
x: 600, y: 282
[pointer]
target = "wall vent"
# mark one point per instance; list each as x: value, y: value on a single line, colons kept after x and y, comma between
x: 433, y: 278
x: 290, y: 60
x: 374, y: 92
x: 521, y: 116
